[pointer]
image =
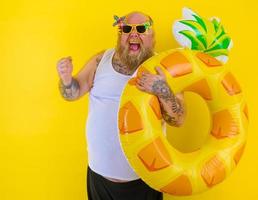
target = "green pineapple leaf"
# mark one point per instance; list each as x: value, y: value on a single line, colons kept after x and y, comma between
x: 196, y: 43
x: 198, y: 33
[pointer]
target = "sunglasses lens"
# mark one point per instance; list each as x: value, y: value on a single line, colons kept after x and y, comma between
x: 140, y: 29
x: 126, y: 29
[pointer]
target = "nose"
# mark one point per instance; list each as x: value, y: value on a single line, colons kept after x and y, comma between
x: 134, y: 32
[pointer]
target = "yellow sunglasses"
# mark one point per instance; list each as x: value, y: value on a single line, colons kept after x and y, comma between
x: 140, y: 28
x: 127, y: 28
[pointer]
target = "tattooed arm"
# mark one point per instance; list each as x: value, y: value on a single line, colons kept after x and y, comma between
x: 69, y: 92
x: 68, y: 86
x: 82, y: 82
x: 172, y: 106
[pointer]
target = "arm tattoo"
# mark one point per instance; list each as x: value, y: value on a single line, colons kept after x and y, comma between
x: 167, y: 97
x: 169, y: 119
x: 161, y: 89
x: 178, y: 112
x: 69, y: 92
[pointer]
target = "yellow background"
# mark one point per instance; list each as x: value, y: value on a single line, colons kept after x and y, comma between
x: 42, y: 137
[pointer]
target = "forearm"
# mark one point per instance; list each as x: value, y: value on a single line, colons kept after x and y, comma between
x: 69, y: 92
x: 171, y: 108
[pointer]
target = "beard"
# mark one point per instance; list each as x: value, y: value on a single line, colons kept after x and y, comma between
x: 133, y: 60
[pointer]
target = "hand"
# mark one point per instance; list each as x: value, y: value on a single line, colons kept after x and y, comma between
x: 153, y: 83
x: 65, y: 68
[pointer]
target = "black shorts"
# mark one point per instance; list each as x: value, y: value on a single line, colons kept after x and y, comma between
x: 100, y: 188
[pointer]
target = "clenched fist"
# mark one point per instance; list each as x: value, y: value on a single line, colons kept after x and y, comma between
x: 65, y: 69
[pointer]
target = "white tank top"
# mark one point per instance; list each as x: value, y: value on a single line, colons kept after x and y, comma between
x: 105, y: 154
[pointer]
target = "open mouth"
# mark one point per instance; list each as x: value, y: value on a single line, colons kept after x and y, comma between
x: 134, y: 46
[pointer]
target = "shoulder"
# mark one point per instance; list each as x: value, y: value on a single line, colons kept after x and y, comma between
x: 93, y: 62
x: 97, y: 57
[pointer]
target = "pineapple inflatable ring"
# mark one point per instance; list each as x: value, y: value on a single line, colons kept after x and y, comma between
x: 154, y: 159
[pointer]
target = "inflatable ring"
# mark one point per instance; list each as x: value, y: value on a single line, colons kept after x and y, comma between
x: 158, y: 163
x: 154, y: 159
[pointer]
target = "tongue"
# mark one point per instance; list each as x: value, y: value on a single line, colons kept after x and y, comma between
x: 134, y: 47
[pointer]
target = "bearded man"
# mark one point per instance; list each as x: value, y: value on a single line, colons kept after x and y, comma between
x: 109, y: 175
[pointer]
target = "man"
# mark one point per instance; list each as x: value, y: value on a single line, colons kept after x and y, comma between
x: 104, y: 76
